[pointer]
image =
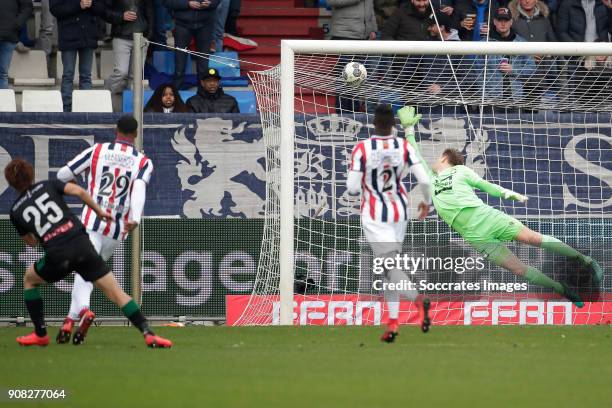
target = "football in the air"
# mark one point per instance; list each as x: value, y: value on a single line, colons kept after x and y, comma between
x: 354, y: 74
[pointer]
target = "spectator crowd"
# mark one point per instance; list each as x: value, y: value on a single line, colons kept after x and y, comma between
x: 81, y: 27
x: 530, y: 79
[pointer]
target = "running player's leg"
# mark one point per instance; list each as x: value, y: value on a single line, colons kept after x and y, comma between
x: 34, y: 304
x: 93, y: 269
x: 380, y: 236
x: 550, y: 243
x: 81, y: 294
x: 111, y: 289
x: 81, y: 290
x: 79, y: 303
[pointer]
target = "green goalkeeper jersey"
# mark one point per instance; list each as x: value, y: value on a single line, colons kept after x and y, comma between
x: 453, y: 190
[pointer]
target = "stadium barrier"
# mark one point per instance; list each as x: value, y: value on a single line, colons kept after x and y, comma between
x: 205, y: 202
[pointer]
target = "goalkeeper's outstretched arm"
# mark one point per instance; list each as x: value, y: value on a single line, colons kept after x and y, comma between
x: 409, y: 118
x: 478, y: 182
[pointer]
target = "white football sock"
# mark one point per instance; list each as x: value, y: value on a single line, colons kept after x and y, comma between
x: 81, y: 294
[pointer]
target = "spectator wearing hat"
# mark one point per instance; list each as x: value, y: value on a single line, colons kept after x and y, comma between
x: 506, y: 75
x: 210, y: 97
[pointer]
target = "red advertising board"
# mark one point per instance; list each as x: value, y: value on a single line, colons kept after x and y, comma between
x: 372, y: 310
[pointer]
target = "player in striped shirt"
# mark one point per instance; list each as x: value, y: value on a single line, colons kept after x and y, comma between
x: 378, y: 166
x: 117, y: 176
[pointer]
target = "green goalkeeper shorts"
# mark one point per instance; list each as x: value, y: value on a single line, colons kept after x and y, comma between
x: 486, y: 228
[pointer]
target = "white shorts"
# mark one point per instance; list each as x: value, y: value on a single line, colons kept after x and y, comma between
x: 105, y: 246
x: 384, y: 237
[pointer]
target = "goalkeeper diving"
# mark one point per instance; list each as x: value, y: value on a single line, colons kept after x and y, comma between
x: 484, y: 227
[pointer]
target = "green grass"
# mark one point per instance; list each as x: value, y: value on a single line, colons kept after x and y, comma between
x: 320, y: 367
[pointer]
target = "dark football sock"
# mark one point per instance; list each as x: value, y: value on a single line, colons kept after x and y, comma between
x: 135, y: 316
x: 34, y: 304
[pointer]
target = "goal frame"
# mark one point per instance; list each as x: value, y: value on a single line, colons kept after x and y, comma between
x: 289, y: 48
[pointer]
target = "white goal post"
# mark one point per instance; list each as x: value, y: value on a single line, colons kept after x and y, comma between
x: 290, y: 49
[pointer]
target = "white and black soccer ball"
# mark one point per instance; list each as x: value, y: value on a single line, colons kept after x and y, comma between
x: 354, y: 74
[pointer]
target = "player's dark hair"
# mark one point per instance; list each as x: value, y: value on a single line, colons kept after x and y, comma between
x: 454, y: 156
x: 384, y: 119
x: 127, y: 125
x: 19, y: 174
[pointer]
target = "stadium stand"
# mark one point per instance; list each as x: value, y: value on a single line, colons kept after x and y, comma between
x: 42, y: 101
x: 7, y: 100
x: 246, y: 99
x: 92, y: 100
x: 163, y: 61
x: 30, y: 69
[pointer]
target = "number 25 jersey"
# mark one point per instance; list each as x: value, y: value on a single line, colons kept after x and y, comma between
x: 113, y: 169
x: 42, y: 211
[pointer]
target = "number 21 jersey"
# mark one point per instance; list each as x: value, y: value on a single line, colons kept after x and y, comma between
x: 113, y: 168
x: 383, y: 162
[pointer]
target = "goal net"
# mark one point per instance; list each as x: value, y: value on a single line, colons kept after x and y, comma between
x: 533, y: 118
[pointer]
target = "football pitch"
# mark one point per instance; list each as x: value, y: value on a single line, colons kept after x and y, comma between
x: 509, y: 366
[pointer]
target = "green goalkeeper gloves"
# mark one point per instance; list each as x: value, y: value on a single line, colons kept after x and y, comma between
x: 511, y: 195
x: 408, y: 116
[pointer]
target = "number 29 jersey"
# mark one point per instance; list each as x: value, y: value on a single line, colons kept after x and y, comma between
x: 113, y: 169
x: 384, y: 161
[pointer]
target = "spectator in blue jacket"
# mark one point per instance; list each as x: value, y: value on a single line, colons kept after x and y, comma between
x: 13, y: 16
x: 193, y: 19
x: 77, y: 25
x: 505, y: 74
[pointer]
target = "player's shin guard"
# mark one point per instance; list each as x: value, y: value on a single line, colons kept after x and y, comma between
x: 34, y: 304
